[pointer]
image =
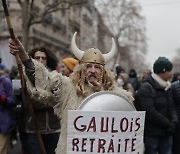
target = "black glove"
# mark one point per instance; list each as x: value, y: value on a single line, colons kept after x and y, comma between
x: 171, y: 128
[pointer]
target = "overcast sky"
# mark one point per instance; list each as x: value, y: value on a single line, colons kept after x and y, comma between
x: 163, y: 27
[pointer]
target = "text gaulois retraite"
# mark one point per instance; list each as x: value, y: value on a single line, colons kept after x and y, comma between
x: 105, y: 132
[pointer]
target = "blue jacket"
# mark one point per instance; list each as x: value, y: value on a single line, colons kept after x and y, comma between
x: 6, y: 89
x: 7, y: 119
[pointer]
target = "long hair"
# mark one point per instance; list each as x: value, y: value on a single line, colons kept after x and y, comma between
x: 83, y: 88
x: 52, y: 61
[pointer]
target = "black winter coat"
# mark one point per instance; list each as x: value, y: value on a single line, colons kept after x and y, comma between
x: 159, y: 107
x: 176, y: 97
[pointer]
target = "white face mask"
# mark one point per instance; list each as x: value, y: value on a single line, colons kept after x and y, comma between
x: 120, y: 82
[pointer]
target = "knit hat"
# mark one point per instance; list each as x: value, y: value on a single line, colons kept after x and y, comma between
x: 70, y: 63
x: 162, y: 64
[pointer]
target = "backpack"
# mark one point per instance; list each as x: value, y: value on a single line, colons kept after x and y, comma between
x: 137, y: 103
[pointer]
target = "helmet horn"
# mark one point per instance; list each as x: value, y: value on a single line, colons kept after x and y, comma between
x: 77, y: 52
x: 111, y: 54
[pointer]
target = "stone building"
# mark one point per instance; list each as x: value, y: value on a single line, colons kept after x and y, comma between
x: 56, y: 29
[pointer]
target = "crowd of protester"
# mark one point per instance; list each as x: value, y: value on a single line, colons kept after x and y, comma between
x: 157, y: 92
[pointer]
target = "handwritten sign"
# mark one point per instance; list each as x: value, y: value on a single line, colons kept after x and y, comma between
x: 96, y: 132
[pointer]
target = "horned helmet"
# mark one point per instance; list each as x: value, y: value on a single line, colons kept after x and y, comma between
x: 92, y: 55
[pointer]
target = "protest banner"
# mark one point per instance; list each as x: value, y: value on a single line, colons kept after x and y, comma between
x: 105, y: 132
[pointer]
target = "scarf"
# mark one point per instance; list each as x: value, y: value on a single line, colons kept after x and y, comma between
x: 163, y: 83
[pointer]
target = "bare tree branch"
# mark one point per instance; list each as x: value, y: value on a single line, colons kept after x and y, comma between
x: 126, y: 23
x: 53, y: 7
x: 20, y: 2
x: 31, y: 14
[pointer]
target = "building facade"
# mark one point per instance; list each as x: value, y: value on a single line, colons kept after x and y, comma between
x: 56, y: 29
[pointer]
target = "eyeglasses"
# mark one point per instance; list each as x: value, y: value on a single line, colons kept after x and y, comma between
x: 38, y: 58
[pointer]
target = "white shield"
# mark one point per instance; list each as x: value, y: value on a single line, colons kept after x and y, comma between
x: 106, y: 101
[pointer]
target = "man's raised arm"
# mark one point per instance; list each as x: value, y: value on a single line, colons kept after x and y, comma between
x: 17, y: 47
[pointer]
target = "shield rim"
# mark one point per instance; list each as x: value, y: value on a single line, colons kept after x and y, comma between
x: 103, y: 92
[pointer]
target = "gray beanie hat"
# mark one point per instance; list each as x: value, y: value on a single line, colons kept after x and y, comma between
x: 162, y: 64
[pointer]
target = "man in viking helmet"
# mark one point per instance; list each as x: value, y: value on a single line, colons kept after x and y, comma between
x: 67, y: 93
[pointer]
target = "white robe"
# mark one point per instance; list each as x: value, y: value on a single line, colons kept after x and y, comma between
x: 60, y: 92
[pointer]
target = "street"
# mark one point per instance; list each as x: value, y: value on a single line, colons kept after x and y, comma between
x: 16, y: 148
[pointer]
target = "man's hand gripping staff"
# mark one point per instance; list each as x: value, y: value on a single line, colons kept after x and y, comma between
x: 18, y: 50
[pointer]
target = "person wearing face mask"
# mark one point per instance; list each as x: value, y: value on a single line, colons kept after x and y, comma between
x: 133, y: 78
x: 122, y: 81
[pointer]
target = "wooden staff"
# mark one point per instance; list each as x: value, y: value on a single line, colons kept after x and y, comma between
x: 25, y: 97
